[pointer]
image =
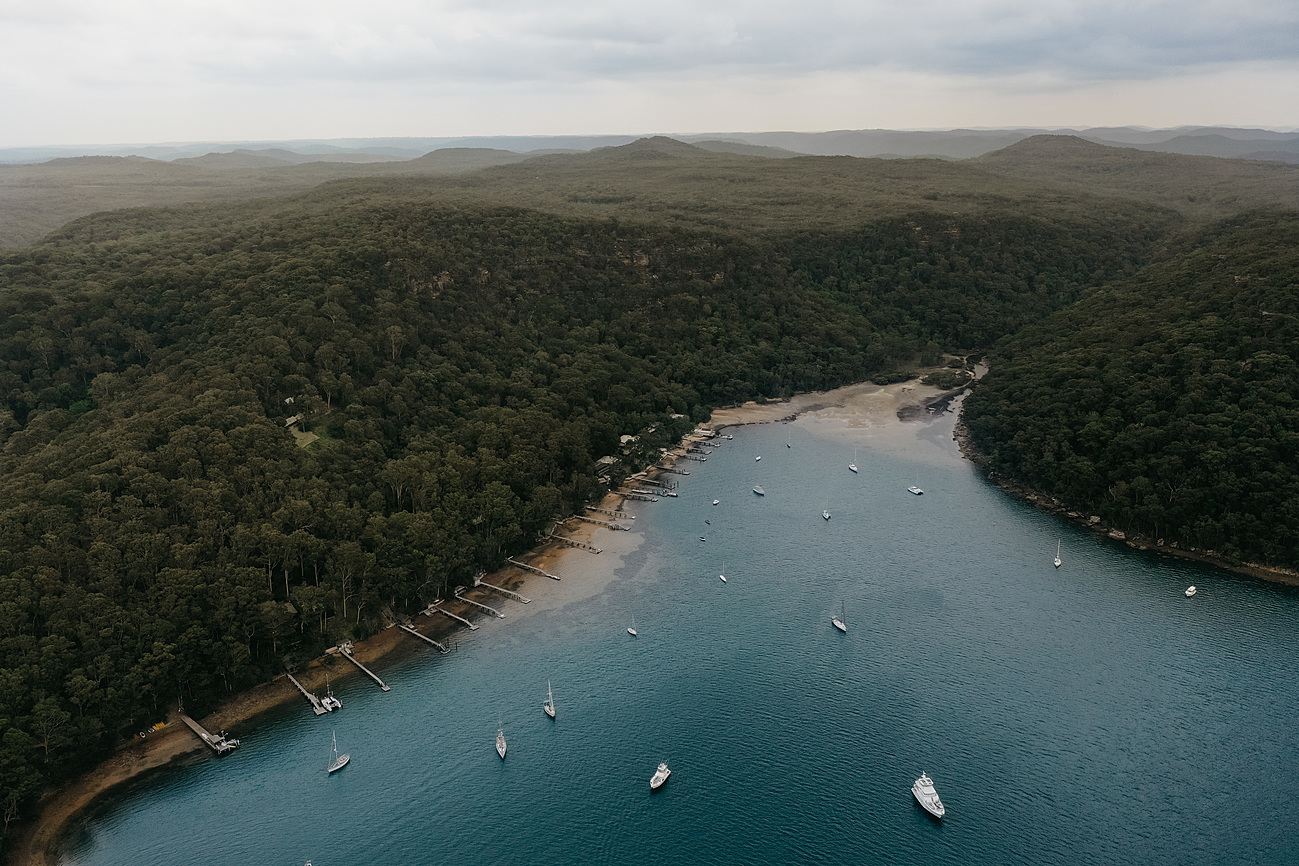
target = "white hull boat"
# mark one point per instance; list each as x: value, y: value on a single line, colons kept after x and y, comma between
x: 915, y: 490
x: 337, y: 761
x: 841, y: 621
x: 549, y: 705
x: 1190, y: 591
x: 660, y: 776
x: 927, y: 797
x: 500, y: 742
x: 1056, y: 561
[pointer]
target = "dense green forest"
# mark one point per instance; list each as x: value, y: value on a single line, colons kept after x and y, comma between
x: 1168, y: 405
x: 462, y: 350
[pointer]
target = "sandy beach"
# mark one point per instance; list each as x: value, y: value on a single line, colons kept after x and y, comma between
x: 863, y: 414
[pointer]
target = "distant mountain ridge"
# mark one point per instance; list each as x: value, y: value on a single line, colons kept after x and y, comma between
x: 950, y: 144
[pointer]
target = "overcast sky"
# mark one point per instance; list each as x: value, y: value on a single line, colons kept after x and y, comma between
x: 110, y: 71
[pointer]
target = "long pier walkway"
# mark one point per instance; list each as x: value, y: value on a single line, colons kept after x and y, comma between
x: 532, y: 568
x: 611, y: 512
x: 608, y: 523
x: 493, y: 611
x: 640, y: 497
x: 573, y: 542
x: 348, y: 655
x: 407, y: 628
x: 508, y: 592
x: 311, y: 699
x: 219, y: 743
x: 472, y: 627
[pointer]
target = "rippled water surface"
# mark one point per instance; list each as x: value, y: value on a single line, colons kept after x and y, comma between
x: 1091, y: 714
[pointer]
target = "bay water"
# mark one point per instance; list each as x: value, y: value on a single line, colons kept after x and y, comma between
x: 1087, y: 714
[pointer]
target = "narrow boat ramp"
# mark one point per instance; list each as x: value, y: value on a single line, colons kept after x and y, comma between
x: 423, y: 637
x: 346, y: 651
x: 316, y: 705
x: 221, y: 743
x: 532, y: 568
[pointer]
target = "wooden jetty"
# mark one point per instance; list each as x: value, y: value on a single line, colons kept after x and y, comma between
x: 532, y: 568
x: 608, y: 523
x: 493, y: 611
x: 424, y: 637
x: 456, y: 617
x: 508, y: 592
x: 573, y: 542
x: 639, y: 497
x: 674, y: 470
x: 611, y: 512
x: 316, y: 705
x: 222, y: 743
x: 347, y: 654
x: 695, y: 457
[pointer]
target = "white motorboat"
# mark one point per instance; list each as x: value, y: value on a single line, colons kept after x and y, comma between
x: 660, y: 776
x: 756, y: 459
x: 1056, y: 561
x: 841, y: 621
x: 715, y: 501
x: 915, y: 490
x: 337, y: 761
x: 500, y: 742
x: 927, y: 797
x: 825, y: 512
x: 758, y: 490
x: 1190, y: 591
x: 549, y: 705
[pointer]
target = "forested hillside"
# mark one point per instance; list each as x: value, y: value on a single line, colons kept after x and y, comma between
x: 165, y: 534
x: 1168, y: 404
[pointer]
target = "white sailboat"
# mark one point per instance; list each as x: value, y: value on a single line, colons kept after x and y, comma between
x: 825, y: 512
x: 549, y: 705
x: 723, y: 572
x: 853, y: 464
x: 841, y: 621
x: 337, y: 761
x: 631, y: 630
x: 756, y: 459
x: 500, y: 741
x: 1056, y: 561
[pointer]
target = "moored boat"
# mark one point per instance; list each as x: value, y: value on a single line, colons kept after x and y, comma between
x: 758, y: 490
x: 841, y: 621
x: 549, y: 705
x: 338, y: 761
x: 1190, y: 591
x: 927, y: 797
x: 500, y: 742
x: 1056, y: 561
x: 660, y: 776
x: 915, y: 490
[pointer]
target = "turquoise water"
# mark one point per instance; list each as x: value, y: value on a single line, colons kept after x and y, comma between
x: 1090, y: 714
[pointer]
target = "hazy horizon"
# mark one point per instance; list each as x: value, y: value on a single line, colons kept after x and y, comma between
x: 143, y: 71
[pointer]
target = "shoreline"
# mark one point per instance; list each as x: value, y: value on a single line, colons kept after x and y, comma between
x: 37, y: 844
x: 873, y: 411
x: 1053, y: 506
x: 881, y: 417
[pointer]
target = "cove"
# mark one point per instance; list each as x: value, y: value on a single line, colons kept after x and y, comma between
x: 1086, y: 714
